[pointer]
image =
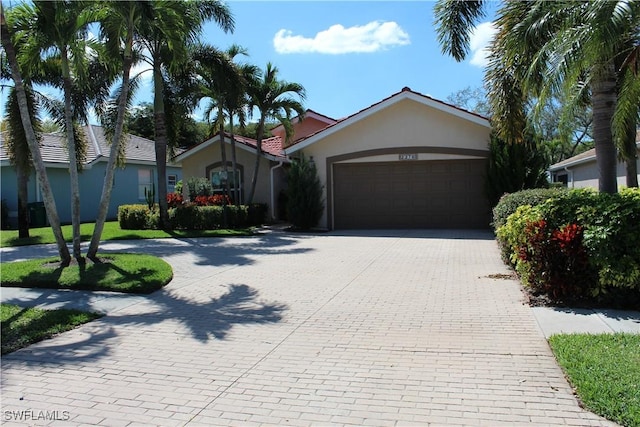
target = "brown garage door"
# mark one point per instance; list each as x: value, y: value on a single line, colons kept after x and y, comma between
x: 420, y: 194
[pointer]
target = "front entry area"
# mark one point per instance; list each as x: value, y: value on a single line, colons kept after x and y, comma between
x: 410, y: 194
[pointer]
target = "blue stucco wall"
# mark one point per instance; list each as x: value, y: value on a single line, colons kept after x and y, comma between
x: 125, y: 189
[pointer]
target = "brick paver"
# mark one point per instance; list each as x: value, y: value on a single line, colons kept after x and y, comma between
x: 384, y: 328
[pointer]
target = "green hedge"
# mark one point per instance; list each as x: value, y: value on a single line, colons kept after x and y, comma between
x: 577, y: 245
x: 510, y: 202
x: 192, y: 217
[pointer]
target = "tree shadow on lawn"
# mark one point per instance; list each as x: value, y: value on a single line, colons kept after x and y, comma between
x: 211, y: 318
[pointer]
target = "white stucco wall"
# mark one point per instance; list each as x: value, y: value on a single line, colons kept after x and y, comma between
x: 406, y: 123
x: 195, y: 165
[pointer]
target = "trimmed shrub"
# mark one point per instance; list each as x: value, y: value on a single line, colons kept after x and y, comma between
x: 198, y: 187
x: 304, y: 195
x: 133, y: 217
x: 511, y: 236
x: 579, y: 243
x: 510, y: 202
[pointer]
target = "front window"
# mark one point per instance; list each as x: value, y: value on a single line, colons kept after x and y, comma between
x: 219, y: 180
x: 171, y: 183
x: 145, y: 182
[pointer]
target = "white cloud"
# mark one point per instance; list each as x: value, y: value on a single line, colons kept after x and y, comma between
x: 372, y: 37
x: 479, y: 41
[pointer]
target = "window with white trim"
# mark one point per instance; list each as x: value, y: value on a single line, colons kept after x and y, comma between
x: 219, y: 180
x: 171, y: 183
x: 145, y: 181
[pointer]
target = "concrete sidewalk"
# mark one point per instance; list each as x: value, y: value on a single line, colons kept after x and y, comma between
x: 356, y: 328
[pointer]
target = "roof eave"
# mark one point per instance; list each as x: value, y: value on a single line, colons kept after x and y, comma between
x: 405, y: 94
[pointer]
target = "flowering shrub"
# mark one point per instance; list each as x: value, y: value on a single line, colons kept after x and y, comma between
x: 555, y: 261
x: 215, y: 200
x: 576, y: 244
x: 174, y: 200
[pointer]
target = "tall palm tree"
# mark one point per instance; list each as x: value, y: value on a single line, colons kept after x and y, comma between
x: 543, y: 49
x: 224, y: 84
x: 237, y: 102
x: 273, y: 98
x: 166, y: 37
x: 47, y: 194
x: 59, y: 29
x: 18, y: 150
x: 119, y: 23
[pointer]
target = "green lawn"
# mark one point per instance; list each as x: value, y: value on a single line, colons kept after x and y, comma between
x: 112, y: 231
x: 133, y: 273
x: 605, y: 371
x: 24, y: 326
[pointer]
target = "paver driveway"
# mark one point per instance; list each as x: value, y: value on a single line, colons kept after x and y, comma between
x: 389, y: 328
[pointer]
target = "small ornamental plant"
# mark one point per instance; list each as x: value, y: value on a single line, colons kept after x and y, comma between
x: 175, y: 200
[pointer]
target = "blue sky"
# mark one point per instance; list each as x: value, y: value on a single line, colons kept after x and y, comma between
x: 349, y: 54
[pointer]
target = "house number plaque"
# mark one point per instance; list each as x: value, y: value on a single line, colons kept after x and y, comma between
x: 413, y: 156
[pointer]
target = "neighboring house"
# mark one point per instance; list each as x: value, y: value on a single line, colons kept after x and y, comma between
x: 204, y: 160
x: 129, y: 182
x: 408, y: 161
x: 582, y: 171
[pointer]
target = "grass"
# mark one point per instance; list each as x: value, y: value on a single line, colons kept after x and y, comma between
x: 24, y: 326
x: 112, y: 231
x: 605, y: 371
x: 131, y: 273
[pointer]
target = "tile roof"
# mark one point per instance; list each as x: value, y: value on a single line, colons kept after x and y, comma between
x: 270, y: 146
x: 52, y: 147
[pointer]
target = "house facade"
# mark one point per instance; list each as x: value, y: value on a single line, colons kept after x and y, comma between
x: 130, y: 182
x: 408, y: 161
x: 205, y: 160
x: 581, y: 171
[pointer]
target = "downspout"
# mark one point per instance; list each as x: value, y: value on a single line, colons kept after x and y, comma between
x: 273, y: 189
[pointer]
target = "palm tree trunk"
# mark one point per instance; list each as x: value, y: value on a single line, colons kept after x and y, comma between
x: 234, y: 165
x: 630, y: 155
x: 107, y: 186
x: 256, y: 167
x: 73, y: 158
x: 160, y: 143
x: 41, y: 174
x: 223, y: 155
x: 22, y: 174
x: 604, y: 102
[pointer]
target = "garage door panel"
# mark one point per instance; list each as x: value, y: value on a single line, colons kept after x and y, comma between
x: 424, y: 194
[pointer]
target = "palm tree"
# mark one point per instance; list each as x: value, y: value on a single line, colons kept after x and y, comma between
x: 224, y: 83
x: 173, y: 27
x: 216, y: 75
x: 47, y: 194
x: 58, y: 29
x: 18, y: 150
x: 237, y: 102
x: 546, y: 49
x: 273, y: 100
x: 119, y: 22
